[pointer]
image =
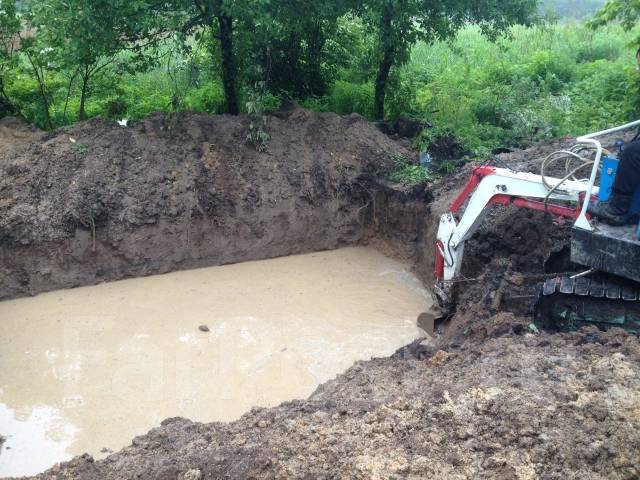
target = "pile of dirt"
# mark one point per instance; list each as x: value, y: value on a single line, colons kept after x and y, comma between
x: 97, y: 202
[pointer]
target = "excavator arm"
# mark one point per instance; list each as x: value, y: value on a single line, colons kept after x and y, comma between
x: 499, y: 186
x: 606, y: 295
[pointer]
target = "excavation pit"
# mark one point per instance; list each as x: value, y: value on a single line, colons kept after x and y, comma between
x: 87, y: 369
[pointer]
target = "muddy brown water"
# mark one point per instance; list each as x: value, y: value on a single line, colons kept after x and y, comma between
x: 87, y: 369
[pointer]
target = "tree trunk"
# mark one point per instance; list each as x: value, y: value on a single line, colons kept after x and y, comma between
x: 381, y: 86
x: 388, y: 54
x: 37, y: 71
x: 69, y: 87
x: 6, y: 105
x: 315, y: 44
x: 225, y: 24
x: 82, y: 115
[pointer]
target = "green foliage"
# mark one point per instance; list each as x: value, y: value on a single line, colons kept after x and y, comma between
x: 410, y: 174
x: 454, y: 63
x: 346, y: 98
x: 9, y: 28
x: 83, y: 37
x: 407, y: 172
x: 399, y: 24
x: 298, y: 46
x: 79, y: 148
x: 627, y: 12
x: 540, y: 83
x: 576, y: 9
x: 208, y: 98
x: 317, y: 104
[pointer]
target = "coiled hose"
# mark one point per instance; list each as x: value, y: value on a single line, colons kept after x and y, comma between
x: 577, y: 158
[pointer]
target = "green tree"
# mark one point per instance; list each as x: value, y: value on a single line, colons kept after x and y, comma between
x: 400, y: 23
x: 627, y: 12
x: 293, y: 45
x: 86, y: 36
x: 38, y: 59
x: 9, y: 30
x: 219, y: 18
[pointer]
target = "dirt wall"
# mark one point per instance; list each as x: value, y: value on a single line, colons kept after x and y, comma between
x: 99, y: 202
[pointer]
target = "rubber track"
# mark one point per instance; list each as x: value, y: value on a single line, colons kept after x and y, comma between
x: 587, y: 287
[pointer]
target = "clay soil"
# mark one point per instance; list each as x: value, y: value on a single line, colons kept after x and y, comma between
x: 491, y: 397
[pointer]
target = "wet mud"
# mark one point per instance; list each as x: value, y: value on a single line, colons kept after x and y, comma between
x: 98, y: 202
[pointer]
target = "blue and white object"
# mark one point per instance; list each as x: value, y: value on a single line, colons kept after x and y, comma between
x: 609, y: 170
x: 425, y: 160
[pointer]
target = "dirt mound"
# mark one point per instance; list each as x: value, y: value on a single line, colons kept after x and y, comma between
x: 99, y: 202
x: 15, y: 133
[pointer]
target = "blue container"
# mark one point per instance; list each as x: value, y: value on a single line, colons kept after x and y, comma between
x: 609, y: 170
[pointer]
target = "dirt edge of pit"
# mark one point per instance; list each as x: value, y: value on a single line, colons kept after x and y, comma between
x: 95, y: 202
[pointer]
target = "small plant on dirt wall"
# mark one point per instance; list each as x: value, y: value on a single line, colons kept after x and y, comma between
x: 410, y: 174
x: 258, y: 137
x: 79, y: 148
x: 406, y: 172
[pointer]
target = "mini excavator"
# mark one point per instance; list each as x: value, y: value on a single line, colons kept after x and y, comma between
x: 607, y: 292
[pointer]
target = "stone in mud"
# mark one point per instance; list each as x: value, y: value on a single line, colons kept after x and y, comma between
x: 193, y: 474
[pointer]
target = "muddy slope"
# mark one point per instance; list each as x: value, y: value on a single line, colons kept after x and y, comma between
x: 99, y: 202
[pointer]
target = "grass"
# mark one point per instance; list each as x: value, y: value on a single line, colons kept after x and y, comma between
x: 541, y: 82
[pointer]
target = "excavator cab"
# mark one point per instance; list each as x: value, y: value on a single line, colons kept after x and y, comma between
x: 607, y: 292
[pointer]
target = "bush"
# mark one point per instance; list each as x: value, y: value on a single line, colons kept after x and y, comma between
x: 410, y: 174
x: 116, y: 107
x: 317, y: 104
x: 550, y: 69
x: 347, y: 98
x: 539, y: 83
x: 208, y: 98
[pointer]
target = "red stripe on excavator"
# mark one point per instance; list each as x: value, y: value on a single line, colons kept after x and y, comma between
x: 476, y: 176
x: 480, y: 172
x: 439, y: 263
x: 520, y: 202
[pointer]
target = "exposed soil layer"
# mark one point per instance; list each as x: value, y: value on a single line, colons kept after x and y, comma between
x: 491, y: 398
x: 99, y: 202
